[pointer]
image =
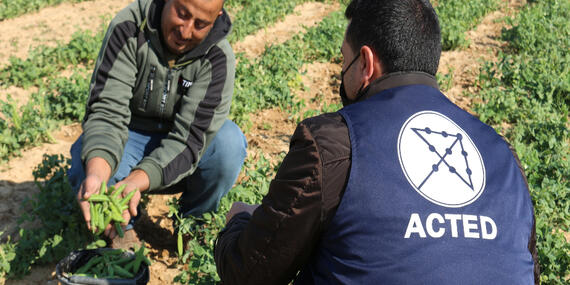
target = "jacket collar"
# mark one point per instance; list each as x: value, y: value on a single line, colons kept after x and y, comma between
x: 397, y: 79
x: 220, y: 30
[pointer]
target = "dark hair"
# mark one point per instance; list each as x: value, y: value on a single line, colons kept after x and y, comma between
x: 403, y: 33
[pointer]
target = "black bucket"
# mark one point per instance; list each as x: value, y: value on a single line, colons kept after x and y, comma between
x: 77, y: 259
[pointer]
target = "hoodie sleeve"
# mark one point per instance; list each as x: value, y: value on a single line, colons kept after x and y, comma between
x: 105, y: 124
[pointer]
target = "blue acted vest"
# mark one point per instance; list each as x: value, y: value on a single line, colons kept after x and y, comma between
x: 434, y: 197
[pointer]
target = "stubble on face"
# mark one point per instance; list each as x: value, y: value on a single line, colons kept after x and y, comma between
x: 186, y: 23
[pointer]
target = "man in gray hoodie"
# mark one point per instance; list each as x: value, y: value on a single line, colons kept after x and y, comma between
x: 156, y: 117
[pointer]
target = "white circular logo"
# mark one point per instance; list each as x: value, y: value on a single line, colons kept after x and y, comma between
x: 440, y: 160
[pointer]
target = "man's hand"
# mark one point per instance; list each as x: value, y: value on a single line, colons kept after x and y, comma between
x: 238, y: 207
x: 97, y: 170
x: 90, y: 186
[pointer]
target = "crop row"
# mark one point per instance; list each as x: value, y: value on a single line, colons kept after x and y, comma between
x: 456, y: 17
x: 61, y: 99
x: 14, y: 8
x: 84, y: 45
x: 526, y: 97
x: 271, y: 79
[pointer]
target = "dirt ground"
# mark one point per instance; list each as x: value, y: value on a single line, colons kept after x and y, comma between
x: 271, y: 128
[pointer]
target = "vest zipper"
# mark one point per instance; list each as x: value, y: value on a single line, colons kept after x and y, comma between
x: 148, y: 89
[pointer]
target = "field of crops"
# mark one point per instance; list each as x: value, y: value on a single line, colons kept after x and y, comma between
x: 507, y: 62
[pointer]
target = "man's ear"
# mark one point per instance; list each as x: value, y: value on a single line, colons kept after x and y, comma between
x: 370, y: 65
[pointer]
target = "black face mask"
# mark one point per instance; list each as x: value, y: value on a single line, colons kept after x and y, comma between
x: 343, y: 97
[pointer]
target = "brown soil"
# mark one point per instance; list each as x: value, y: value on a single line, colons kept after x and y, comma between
x: 272, y: 128
x: 16, y: 94
x: 270, y: 131
x: 48, y: 27
x: 53, y: 24
x: 305, y: 15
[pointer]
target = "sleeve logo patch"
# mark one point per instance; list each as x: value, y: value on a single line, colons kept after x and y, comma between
x: 183, y: 85
x: 440, y: 160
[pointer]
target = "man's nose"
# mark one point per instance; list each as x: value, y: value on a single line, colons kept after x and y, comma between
x: 186, y: 31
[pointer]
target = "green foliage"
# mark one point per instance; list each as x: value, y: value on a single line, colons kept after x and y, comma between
x: 445, y: 81
x: 44, y: 62
x: 268, y: 81
x: 61, y: 227
x: 459, y: 16
x: 325, y: 108
x: 25, y: 126
x: 66, y: 101
x: 256, y: 14
x: 259, y: 14
x: 526, y: 97
x: 61, y: 101
x: 203, y: 231
x: 14, y: 8
x: 7, y: 254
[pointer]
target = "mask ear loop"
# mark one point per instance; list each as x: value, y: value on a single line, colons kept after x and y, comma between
x: 359, y: 93
x: 342, y: 72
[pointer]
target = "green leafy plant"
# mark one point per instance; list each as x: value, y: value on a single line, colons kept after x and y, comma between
x: 445, y: 81
x: 62, y: 101
x: 526, y: 97
x: 43, y: 62
x: 269, y: 81
x: 61, y: 228
x: 14, y: 8
x: 459, y: 16
x: 198, y: 251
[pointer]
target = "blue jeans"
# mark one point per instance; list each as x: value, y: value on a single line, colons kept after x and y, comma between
x: 202, y: 191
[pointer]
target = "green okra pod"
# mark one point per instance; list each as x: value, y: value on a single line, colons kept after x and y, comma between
x: 138, y: 259
x: 83, y: 269
x: 98, y: 198
x: 103, y: 189
x: 99, y: 219
x: 111, y: 270
x: 122, y: 272
x: 92, y: 213
x: 130, y: 265
x: 180, y: 245
x: 108, y: 217
x: 146, y: 260
x: 119, y: 229
x: 124, y: 260
x: 118, y: 192
x: 101, y: 243
x: 116, y: 214
x: 127, y: 198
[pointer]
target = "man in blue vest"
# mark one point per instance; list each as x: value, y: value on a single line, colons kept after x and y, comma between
x: 401, y: 186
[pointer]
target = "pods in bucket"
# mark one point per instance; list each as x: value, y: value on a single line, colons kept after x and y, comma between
x: 104, y: 266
